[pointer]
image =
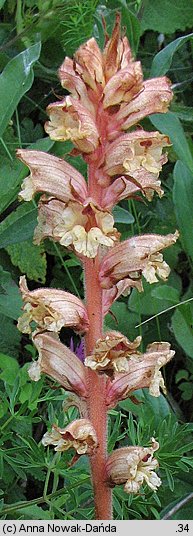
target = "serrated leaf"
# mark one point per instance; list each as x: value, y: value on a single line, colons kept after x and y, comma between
x: 183, y: 203
x: 169, y: 124
x: 163, y: 60
x: 167, y: 16
x: 19, y: 225
x: 30, y: 259
x: 10, y: 297
x: 15, y: 80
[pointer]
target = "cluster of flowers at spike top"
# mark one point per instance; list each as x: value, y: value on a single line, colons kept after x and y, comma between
x: 133, y: 466
x: 108, y: 95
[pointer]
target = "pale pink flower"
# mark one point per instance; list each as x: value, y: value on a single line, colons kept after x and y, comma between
x: 58, y: 362
x: 81, y: 227
x: 69, y: 120
x: 79, y: 434
x: 143, y: 370
x: 135, y: 257
x: 51, y: 175
x: 51, y: 309
x: 111, y: 352
x: 133, y: 466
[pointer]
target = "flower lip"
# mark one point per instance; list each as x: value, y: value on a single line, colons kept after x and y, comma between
x: 111, y: 352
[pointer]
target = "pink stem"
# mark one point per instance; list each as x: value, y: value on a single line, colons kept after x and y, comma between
x: 97, y: 388
x: 97, y: 384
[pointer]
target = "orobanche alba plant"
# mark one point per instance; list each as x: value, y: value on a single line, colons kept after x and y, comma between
x: 101, y: 116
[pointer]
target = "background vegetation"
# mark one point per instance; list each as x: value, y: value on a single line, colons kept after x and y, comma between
x: 37, y: 483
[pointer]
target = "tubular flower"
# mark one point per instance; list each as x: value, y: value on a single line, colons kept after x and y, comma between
x: 51, y: 309
x: 51, y: 175
x: 79, y: 434
x: 122, y: 287
x: 143, y: 370
x: 83, y: 227
x: 138, y: 158
x: 112, y: 352
x: 135, y: 257
x: 69, y: 120
x: 133, y: 466
x: 58, y: 362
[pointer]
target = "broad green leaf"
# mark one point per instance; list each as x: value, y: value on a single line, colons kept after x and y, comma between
x: 122, y: 320
x: 167, y: 16
x: 162, y: 61
x: 15, y: 81
x: 9, y: 368
x: 2, y: 2
x: 182, y: 322
x: 122, y: 216
x: 21, y: 229
x: 154, y: 299
x: 169, y: 124
x: 10, y: 297
x: 30, y: 259
x: 183, y: 204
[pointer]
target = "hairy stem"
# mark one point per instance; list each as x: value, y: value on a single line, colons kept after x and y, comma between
x: 97, y: 385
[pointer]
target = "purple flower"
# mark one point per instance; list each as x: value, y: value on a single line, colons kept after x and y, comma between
x: 78, y: 350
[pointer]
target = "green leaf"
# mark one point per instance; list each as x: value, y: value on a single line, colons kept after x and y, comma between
x: 9, y: 336
x: 21, y: 229
x: 182, y: 322
x: 183, y: 203
x: 30, y: 259
x: 122, y: 216
x: 15, y: 81
x: 153, y: 300
x: 169, y: 124
x: 9, y: 368
x: 10, y: 297
x: 33, y: 512
x: 167, y: 16
x: 162, y: 61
